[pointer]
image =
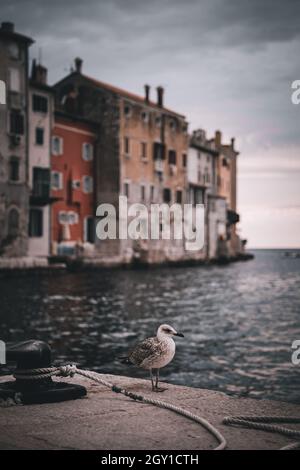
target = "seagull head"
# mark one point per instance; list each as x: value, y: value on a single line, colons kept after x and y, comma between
x: 167, y: 331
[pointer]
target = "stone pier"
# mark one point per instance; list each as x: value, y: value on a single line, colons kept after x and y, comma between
x: 107, y: 421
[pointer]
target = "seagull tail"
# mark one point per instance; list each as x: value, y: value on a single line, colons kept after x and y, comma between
x: 124, y: 360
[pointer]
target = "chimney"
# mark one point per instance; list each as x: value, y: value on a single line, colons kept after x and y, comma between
x: 218, y: 138
x: 38, y: 73
x: 147, y: 93
x: 8, y: 27
x: 78, y: 64
x: 232, y: 143
x: 160, y: 96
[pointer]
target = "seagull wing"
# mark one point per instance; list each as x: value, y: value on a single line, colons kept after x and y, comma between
x: 145, y: 352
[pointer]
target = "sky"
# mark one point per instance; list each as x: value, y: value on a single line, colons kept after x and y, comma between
x: 225, y: 64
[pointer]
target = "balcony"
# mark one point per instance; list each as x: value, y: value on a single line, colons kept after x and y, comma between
x: 40, y: 194
x: 232, y: 217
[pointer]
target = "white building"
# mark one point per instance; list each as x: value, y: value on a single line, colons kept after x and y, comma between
x: 202, y: 184
x: 40, y: 111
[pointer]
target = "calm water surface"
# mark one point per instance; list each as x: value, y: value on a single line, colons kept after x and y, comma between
x: 239, y: 320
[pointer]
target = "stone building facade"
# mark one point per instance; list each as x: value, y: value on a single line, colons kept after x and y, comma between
x: 203, y: 165
x: 227, y: 188
x: 14, y: 192
x: 141, y: 153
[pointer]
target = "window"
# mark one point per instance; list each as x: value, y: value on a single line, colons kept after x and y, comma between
x: 14, y: 80
x: 72, y: 217
x: 63, y: 217
x: 145, y: 117
x: 167, y: 195
x: 39, y: 103
x: 87, y: 184
x: 196, y: 196
x: 172, y: 125
x: 127, y: 189
x: 89, y: 229
x: 16, y: 123
x: 39, y: 136
x: 179, y: 196
x: 35, y: 223
x: 127, y: 110
x: 151, y: 193
x: 56, y: 180
x: 57, y: 145
x: 158, y: 121
x: 172, y: 157
x: 87, y: 151
x: 14, y: 51
x: 41, y: 182
x: 158, y: 151
x: 206, y: 176
x: 126, y: 145
x: 199, y: 176
x: 184, y: 160
x: 14, y: 166
x: 13, y: 222
x: 144, y: 150
x: 143, y: 192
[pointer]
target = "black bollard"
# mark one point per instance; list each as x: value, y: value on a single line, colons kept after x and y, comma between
x: 34, y: 354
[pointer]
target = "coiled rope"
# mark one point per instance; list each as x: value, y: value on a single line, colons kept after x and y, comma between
x: 71, y: 370
x: 263, y: 423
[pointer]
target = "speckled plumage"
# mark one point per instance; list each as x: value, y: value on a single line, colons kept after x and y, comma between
x: 152, y: 353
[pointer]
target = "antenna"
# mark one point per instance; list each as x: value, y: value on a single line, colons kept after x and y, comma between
x: 40, y: 56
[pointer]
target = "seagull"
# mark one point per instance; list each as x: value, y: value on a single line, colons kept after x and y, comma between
x: 154, y: 353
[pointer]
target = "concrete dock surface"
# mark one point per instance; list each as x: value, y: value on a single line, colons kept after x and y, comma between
x: 108, y: 421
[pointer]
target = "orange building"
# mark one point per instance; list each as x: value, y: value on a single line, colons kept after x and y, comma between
x: 72, y: 185
x: 141, y: 154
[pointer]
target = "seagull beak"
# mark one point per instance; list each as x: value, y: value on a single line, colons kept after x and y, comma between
x: 179, y: 334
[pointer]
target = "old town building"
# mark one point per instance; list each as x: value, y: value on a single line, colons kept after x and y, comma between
x: 14, y: 194
x: 141, y: 153
x: 40, y: 111
x: 227, y: 188
x: 72, y: 186
x: 203, y: 165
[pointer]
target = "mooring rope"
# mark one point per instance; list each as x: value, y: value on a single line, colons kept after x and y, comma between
x: 71, y: 370
x: 263, y: 423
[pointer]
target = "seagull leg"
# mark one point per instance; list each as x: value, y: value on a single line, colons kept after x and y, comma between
x: 152, y: 382
x: 157, y: 388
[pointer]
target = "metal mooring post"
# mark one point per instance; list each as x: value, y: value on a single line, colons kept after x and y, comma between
x: 34, y: 354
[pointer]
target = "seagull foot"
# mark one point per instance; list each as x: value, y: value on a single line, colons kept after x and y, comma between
x: 159, y: 389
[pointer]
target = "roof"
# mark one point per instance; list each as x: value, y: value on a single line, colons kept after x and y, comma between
x: 204, y: 148
x: 73, y: 118
x: 122, y: 92
x: 41, y: 86
x: 15, y: 36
